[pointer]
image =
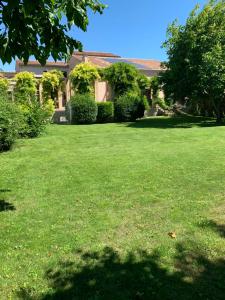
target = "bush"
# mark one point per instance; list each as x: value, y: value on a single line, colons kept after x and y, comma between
x: 123, y: 77
x: 105, y: 112
x: 25, y: 88
x: 4, y: 84
x: 82, y: 109
x: 161, y: 103
x: 83, y: 77
x: 10, y: 122
x: 130, y: 107
x: 35, y: 119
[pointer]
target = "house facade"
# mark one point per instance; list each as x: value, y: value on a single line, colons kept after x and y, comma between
x: 103, y: 91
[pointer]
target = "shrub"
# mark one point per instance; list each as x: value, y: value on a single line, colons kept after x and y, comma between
x: 4, y: 84
x: 49, y: 108
x: 52, y: 82
x: 25, y: 88
x: 83, y: 77
x: 10, y: 122
x: 105, y: 112
x: 122, y: 77
x: 35, y: 119
x: 161, y: 102
x: 82, y: 109
x: 130, y: 107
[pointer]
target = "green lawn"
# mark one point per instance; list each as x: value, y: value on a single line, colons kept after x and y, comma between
x: 85, y: 212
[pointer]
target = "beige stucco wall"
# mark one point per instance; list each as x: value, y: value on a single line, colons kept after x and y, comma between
x: 103, y: 91
x: 38, y: 70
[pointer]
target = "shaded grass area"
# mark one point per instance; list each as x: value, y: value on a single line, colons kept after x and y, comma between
x: 93, y: 205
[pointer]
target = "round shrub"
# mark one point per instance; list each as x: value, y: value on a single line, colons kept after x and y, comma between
x: 10, y: 123
x: 130, y: 107
x: 105, y: 112
x: 82, y: 109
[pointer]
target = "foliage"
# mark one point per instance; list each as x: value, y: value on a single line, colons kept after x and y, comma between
x: 51, y: 81
x: 35, y: 119
x: 25, y: 88
x: 122, y: 77
x: 10, y: 123
x: 130, y: 107
x: 155, y: 86
x: 49, y: 108
x: 82, y: 109
x: 196, y: 68
x: 41, y: 28
x: 83, y: 77
x: 105, y: 112
x: 4, y: 84
x: 143, y: 82
x: 160, y: 102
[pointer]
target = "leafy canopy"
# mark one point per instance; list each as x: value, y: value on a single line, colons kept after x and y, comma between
x: 196, y: 67
x: 83, y: 77
x: 51, y: 82
x: 41, y: 28
x: 125, y: 78
x: 25, y: 88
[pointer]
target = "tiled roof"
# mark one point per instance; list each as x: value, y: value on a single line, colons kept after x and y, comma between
x: 141, y: 64
x: 48, y: 63
x: 148, y: 63
x: 95, y: 54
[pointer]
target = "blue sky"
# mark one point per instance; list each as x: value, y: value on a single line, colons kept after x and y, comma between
x: 131, y: 28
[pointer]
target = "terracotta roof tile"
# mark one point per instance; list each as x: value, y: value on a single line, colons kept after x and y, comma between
x: 48, y: 63
x: 96, y: 54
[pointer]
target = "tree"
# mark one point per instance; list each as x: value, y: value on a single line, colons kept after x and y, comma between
x: 83, y: 77
x: 41, y: 28
x: 195, y: 71
x: 125, y: 78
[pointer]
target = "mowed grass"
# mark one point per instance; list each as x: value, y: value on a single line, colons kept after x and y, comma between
x: 85, y: 212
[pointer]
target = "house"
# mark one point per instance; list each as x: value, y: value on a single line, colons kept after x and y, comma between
x: 103, y: 91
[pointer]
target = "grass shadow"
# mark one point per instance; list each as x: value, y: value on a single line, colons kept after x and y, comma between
x: 212, y: 225
x: 106, y: 275
x: 174, y: 122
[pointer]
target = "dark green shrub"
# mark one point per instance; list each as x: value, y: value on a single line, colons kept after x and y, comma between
x: 105, y: 112
x: 82, y: 109
x: 130, y: 107
x: 10, y: 123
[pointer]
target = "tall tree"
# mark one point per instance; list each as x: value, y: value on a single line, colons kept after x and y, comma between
x: 195, y: 71
x: 41, y: 27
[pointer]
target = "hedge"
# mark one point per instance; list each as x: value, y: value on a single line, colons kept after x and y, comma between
x: 105, y: 112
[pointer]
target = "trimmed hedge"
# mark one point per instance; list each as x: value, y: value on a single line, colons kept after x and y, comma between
x: 10, y: 123
x: 130, y: 107
x: 82, y: 109
x: 105, y: 112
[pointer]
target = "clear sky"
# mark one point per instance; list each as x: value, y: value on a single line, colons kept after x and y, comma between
x: 132, y: 28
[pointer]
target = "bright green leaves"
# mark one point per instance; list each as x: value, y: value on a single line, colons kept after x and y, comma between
x: 196, y: 67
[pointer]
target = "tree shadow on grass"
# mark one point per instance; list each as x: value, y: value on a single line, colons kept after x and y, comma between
x: 4, y: 206
x: 174, y: 122
x: 106, y: 275
x: 218, y: 228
